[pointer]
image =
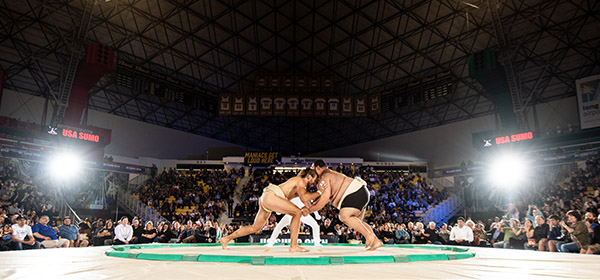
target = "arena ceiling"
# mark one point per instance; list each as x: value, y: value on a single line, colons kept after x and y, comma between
x: 369, y: 46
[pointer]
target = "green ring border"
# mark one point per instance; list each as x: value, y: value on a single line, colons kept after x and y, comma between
x: 121, y: 252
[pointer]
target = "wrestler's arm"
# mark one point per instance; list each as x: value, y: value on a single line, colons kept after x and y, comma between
x: 305, y: 196
x: 323, y: 199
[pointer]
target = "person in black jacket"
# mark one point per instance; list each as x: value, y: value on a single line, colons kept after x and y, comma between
x: 432, y: 235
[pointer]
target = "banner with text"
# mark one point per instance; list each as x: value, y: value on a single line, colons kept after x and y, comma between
x: 261, y: 158
x: 588, y: 101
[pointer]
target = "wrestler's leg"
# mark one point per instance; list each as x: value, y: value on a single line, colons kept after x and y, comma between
x: 261, y: 219
x: 309, y: 220
x: 350, y: 216
x: 282, y: 223
x: 284, y: 206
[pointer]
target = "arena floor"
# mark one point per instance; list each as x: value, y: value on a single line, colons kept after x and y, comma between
x: 92, y: 263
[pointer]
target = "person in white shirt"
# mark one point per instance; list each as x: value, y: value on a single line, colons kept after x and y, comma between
x: 22, y: 237
x: 287, y: 219
x: 123, y: 232
x: 461, y: 234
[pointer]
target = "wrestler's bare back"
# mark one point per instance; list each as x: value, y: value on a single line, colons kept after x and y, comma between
x: 290, y: 187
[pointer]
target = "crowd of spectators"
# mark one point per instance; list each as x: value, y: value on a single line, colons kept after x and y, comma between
x: 181, y: 195
x: 558, y: 214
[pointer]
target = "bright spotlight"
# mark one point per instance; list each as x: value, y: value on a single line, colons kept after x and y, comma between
x: 508, y: 171
x: 65, y: 166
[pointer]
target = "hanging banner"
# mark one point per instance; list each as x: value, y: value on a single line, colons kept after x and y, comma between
x: 239, y: 103
x: 327, y: 84
x: 314, y: 84
x: 301, y: 83
x: 347, y: 108
x: 361, y: 106
x: 279, y: 105
x: 293, y: 105
x: 274, y: 83
x: 333, y: 106
x: 252, y: 109
x: 588, y: 101
x: 266, y: 105
x: 375, y: 104
x: 224, y: 104
x: 287, y: 84
x: 307, y: 106
x: 261, y: 82
x: 320, y: 107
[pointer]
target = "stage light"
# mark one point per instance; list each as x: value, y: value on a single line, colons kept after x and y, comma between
x: 508, y: 171
x: 65, y: 166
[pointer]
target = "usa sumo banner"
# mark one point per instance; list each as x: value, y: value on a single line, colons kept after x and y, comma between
x: 588, y: 101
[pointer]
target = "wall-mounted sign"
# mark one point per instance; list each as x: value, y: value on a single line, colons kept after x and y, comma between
x: 489, y: 139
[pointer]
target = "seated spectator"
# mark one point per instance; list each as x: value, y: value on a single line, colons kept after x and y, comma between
x: 508, y: 232
x: 409, y: 228
x: 220, y: 229
x: 189, y: 235
x: 71, y: 233
x: 470, y: 224
x: 148, y: 234
x: 46, y: 235
x: 432, y: 235
x: 522, y: 233
x: 137, y: 231
x: 540, y: 235
x: 579, y: 234
x: 556, y: 236
x: 418, y: 234
x: 104, y: 235
x: 14, y: 209
x: 401, y: 235
x: 327, y: 228
x: 123, y: 232
x: 594, y: 247
x: 166, y: 233
x: 444, y: 233
x: 590, y: 222
x: 85, y: 232
x: 461, y: 234
x: 480, y: 235
x: 22, y: 236
x: 386, y: 234
x: 496, y: 233
x: 533, y: 212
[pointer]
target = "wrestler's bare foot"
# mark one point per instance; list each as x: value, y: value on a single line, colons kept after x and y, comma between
x: 369, y: 243
x: 376, y: 245
x: 224, y: 242
x: 294, y: 249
